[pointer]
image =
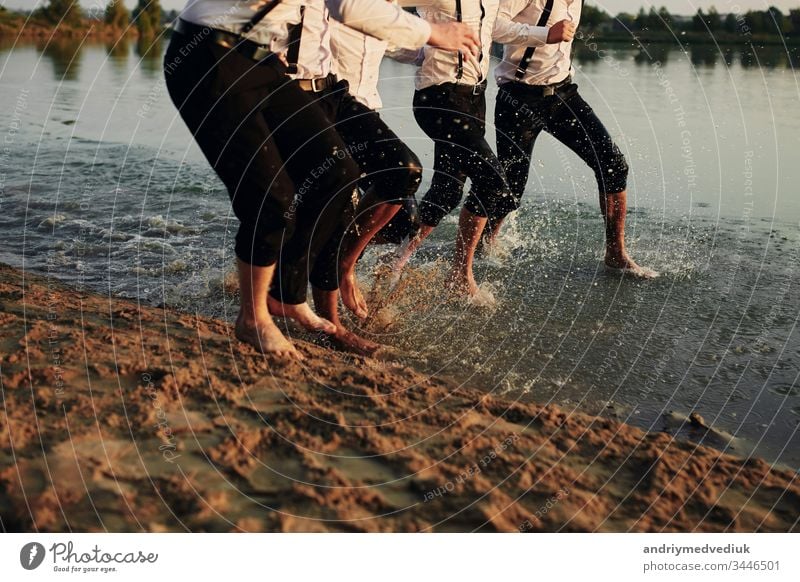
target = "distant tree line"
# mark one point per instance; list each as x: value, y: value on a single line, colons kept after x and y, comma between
x: 771, y: 21
x: 147, y: 17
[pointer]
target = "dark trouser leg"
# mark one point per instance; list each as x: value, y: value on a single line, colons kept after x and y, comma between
x: 518, y: 124
x: 438, y: 114
x: 392, y: 171
x: 456, y: 121
x: 447, y: 184
x: 220, y: 95
x: 575, y: 124
x: 490, y: 194
x: 326, y: 175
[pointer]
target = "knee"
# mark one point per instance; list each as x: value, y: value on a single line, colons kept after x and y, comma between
x: 411, y: 175
x: 401, y: 179
x: 612, y: 176
x: 438, y: 203
x: 349, y: 173
x: 258, y: 242
x: 339, y: 173
x: 620, y: 165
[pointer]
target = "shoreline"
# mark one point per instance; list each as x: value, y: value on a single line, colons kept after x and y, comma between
x: 156, y: 420
x: 36, y: 30
x: 98, y: 30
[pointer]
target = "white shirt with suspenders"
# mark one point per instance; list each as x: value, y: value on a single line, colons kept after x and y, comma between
x: 441, y: 66
x: 309, y: 52
x: 357, y: 59
x: 274, y: 29
x: 541, y: 65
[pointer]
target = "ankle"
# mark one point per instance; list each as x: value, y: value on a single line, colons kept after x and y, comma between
x: 250, y: 318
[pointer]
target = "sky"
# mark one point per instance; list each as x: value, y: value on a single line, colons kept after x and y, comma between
x: 611, y: 6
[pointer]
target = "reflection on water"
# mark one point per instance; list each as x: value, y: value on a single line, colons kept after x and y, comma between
x: 105, y: 188
x: 149, y: 51
x: 770, y: 56
x: 704, y: 54
x: 700, y: 54
x: 118, y: 51
x: 65, y: 55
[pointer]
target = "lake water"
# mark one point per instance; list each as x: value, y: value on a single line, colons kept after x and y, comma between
x: 102, y: 186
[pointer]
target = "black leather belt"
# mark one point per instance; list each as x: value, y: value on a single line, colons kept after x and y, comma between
x: 478, y: 89
x: 317, y: 85
x: 542, y: 90
x: 248, y: 48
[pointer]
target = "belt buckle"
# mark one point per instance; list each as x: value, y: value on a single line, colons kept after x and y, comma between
x: 549, y: 91
x: 261, y: 53
x: 314, y: 87
x: 477, y: 89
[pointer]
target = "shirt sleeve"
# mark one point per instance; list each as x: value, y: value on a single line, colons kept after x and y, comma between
x: 408, y: 56
x: 507, y: 31
x: 382, y: 20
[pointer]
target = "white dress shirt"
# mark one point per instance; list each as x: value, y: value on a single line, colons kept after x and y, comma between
x: 377, y: 18
x: 551, y: 63
x: 441, y: 66
x: 232, y: 15
x: 388, y: 22
x: 357, y: 59
x: 312, y: 48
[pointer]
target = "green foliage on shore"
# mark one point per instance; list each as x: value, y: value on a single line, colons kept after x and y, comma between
x: 147, y: 17
x: 753, y: 24
x: 58, y: 12
x: 770, y: 26
x: 117, y: 14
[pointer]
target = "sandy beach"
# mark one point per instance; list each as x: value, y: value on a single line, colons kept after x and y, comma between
x: 124, y: 417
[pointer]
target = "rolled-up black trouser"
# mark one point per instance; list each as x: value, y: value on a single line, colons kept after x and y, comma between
x: 521, y: 115
x: 266, y: 139
x: 388, y: 167
x: 454, y: 118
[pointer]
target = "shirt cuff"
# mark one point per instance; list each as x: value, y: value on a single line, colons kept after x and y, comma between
x: 539, y: 35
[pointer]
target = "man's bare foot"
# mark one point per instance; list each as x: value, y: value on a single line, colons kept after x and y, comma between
x: 265, y: 337
x: 351, y: 294
x: 404, y: 253
x: 347, y: 341
x: 302, y: 314
x: 462, y: 284
x: 622, y: 263
x: 409, y: 246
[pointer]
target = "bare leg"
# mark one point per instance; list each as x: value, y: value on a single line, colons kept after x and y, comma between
x: 491, y: 232
x: 327, y: 304
x: 371, y: 217
x: 614, y: 208
x: 470, y: 227
x: 254, y: 325
x: 405, y: 251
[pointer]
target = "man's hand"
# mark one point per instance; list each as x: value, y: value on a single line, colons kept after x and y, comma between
x: 562, y: 31
x: 455, y: 36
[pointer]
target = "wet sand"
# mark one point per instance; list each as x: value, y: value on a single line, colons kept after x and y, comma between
x: 123, y: 417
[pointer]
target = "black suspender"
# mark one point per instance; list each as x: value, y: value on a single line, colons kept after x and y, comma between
x: 528, y: 54
x: 480, y: 38
x: 293, y: 54
x: 260, y: 14
x: 459, y: 18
